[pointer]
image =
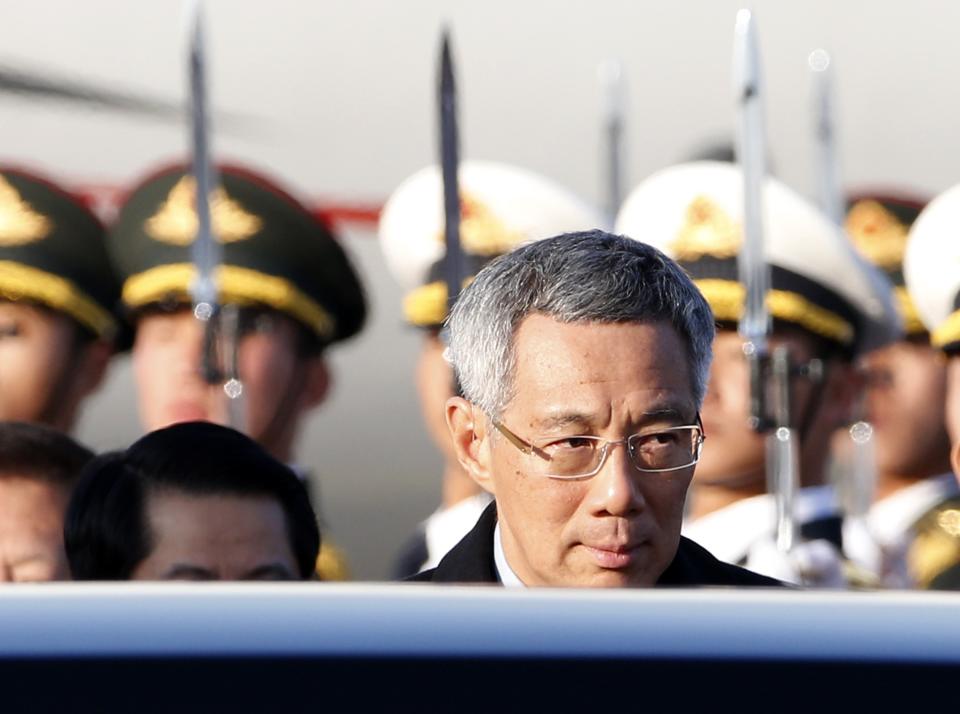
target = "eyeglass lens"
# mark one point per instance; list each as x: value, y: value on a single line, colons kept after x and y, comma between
x: 660, y: 451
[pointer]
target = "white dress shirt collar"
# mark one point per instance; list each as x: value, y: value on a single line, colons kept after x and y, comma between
x: 504, y: 571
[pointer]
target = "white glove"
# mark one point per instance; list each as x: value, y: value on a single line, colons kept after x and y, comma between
x: 815, y: 563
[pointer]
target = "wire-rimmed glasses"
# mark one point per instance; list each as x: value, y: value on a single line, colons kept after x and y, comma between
x: 582, y: 456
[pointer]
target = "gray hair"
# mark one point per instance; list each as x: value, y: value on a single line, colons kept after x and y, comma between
x: 590, y: 276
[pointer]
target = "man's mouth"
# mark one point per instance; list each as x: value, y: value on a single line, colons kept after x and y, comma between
x: 614, y: 557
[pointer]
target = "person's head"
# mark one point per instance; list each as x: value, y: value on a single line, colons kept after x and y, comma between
x: 826, y: 303
x: 822, y: 399
x: 906, y: 381
x: 953, y: 409
x: 582, y: 335
x: 435, y: 385
x: 194, y: 501
x: 39, y: 467
x: 284, y: 373
x: 282, y: 270
x: 933, y: 282
x: 906, y: 384
x: 57, y: 297
x: 502, y: 207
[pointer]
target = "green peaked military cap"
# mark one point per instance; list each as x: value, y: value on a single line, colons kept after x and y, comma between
x: 53, y: 253
x: 276, y: 253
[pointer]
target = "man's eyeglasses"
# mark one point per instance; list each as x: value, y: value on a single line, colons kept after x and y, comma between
x: 573, y: 457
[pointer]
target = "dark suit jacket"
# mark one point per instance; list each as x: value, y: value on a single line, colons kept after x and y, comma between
x: 471, y: 561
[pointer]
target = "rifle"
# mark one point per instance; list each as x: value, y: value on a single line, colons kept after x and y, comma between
x: 859, y: 494
x: 449, y: 163
x: 221, y: 328
x: 610, y: 74
x: 767, y: 370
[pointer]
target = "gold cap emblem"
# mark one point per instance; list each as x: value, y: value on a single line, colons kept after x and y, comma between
x: 481, y: 231
x: 175, y: 222
x: 19, y: 223
x: 877, y: 233
x: 706, y: 230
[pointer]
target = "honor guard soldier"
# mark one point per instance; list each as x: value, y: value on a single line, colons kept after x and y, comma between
x: 58, y: 294
x: 932, y: 270
x: 905, y: 389
x: 827, y: 305
x: 293, y: 291
x: 502, y: 207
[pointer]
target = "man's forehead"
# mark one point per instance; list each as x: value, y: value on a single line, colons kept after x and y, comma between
x: 640, y: 407
x: 596, y: 350
x: 570, y: 372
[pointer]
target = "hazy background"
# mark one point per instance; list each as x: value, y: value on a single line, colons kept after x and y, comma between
x: 344, y: 92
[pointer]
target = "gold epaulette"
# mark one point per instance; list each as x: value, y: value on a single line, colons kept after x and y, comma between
x: 332, y: 563
x: 936, y: 546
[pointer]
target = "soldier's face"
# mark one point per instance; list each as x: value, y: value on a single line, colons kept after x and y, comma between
x: 620, y: 527
x: 734, y: 456
x: 953, y: 410
x: 435, y: 387
x: 216, y: 537
x: 906, y: 386
x: 31, y: 530
x: 279, y: 383
x: 46, y: 371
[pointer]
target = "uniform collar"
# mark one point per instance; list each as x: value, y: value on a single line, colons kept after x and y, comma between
x: 891, y: 518
x: 504, y: 571
x: 729, y: 532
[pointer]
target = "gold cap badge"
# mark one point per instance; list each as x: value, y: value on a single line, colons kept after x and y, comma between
x: 706, y: 230
x: 19, y: 223
x: 175, y: 222
x: 481, y: 231
x: 877, y: 233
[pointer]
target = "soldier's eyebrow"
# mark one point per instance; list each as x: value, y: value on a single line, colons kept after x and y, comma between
x: 186, y: 571
x: 270, y: 571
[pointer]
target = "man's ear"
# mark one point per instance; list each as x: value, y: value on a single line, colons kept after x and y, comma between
x: 469, y: 433
x: 317, y: 381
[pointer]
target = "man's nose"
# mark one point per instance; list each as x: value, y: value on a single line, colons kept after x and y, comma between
x: 615, y: 489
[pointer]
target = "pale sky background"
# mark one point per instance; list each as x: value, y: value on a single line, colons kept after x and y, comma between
x: 344, y: 92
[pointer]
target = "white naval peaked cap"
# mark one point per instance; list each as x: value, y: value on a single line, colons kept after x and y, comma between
x: 502, y: 208
x: 931, y: 267
x: 694, y: 213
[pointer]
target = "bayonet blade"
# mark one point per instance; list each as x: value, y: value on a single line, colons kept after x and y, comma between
x: 610, y: 74
x: 449, y: 162
x: 754, y: 273
x: 830, y: 194
x: 205, y: 250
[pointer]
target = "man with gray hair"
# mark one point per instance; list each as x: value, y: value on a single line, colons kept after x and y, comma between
x: 567, y: 349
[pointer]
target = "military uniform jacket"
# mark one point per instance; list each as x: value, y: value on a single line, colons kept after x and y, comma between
x: 471, y: 561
